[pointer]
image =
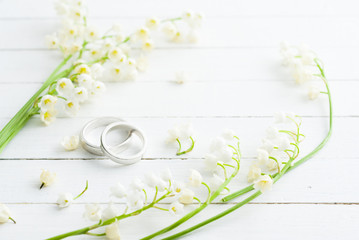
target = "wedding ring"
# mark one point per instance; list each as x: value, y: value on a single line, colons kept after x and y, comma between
x: 102, y: 122
x: 112, y: 153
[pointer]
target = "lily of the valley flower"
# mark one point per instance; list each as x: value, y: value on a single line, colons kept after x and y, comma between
x: 187, y: 196
x: 5, y: 214
x: 263, y: 183
x: 181, y: 77
x: 47, y: 116
x: 48, y: 102
x: 65, y: 199
x: 176, y: 208
x: 47, y: 178
x: 110, y: 212
x: 313, y: 92
x: 70, y: 143
x: 181, y: 132
x: 93, y: 212
x: 195, y: 179
x: 254, y: 173
x: 118, y: 190
x: 113, y: 231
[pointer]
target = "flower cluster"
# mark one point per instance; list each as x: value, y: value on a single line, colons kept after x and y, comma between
x: 97, y: 57
x: 303, y: 64
x: 181, y: 132
x: 280, y: 145
x: 179, y: 33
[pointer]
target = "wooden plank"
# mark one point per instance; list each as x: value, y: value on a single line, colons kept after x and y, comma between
x: 217, y: 32
x: 38, y: 141
x: 107, y: 8
x: 307, y: 184
x: 254, y: 221
x: 199, y: 99
x: 239, y: 64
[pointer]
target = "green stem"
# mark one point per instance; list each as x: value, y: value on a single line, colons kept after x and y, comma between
x: 186, y: 151
x: 87, y: 185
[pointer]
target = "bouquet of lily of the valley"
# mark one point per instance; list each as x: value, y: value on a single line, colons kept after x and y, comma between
x: 91, y: 57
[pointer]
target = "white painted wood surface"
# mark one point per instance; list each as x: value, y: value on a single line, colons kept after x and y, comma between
x: 238, y: 83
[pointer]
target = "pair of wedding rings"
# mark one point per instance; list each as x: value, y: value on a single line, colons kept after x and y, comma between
x: 115, y: 151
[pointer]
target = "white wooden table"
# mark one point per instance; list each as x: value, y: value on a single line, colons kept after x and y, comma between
x: 237, y: 82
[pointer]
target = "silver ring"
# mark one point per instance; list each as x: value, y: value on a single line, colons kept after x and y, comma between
x: 112, y: 154
x: 96, y: 123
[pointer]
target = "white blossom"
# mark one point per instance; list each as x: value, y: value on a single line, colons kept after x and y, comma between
x: 143, y: 33
x: 272, y: 132
x: 254, y: 173
x: 217, y: 143
x: 110, y: 211
x: 118, y: 190
x: 115, y: 54
x: 72, y: 107
x: 228, y: 135
x: 148, y: 45
x: 91, y: 33
x: 137, y: 184
x: 178, y: 37
x: 225, y: 154
x: 142, y: 63
x: 135, y: 200
x: 166, y: 175
x: 313, y: 92
x: 193, y: 36
x: 131, y: 74
x: 48, y: 102
x: 178, y: 187
x: 65, y: 87
x: 97, y: 71
x: 113, y: 231
x: 181, y: 77
x: 65, y: 199
x: 151, y: 179
x: 187, y: 196
x: 52, y: 41
x: 98, y: 88
x: 262, y: 156
x: 85, y: 80
x: 268, y: 145
x: 176, y: 208
x: 93, y: 212
x: 271, y: 165
x: 211, y: 162
x: 173, y: 134
x: 169, y: 29
x: 215, y: 182
x: 283, y: 143
x: 153, y: 23
x: 263, y: 183
x: 48, y: 116
x: 5, y: 213
x: 70, y: 142
x: 81, y: 94
x: 47, y: 178
x: 195, y: 178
